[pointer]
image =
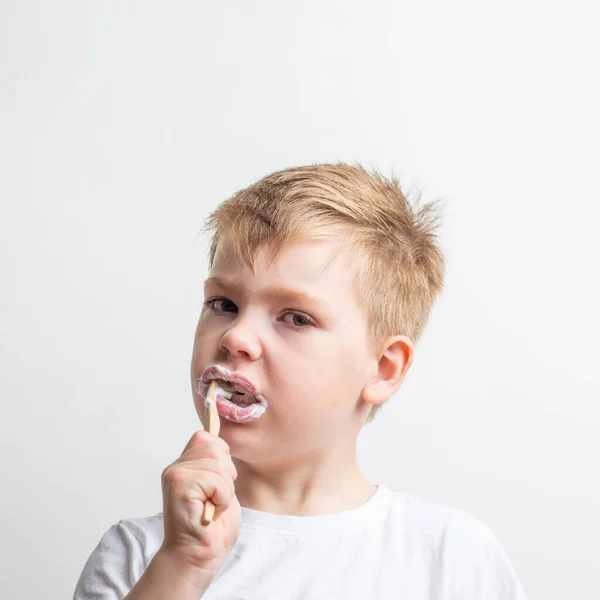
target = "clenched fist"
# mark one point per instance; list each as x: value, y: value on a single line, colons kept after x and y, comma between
x: 204, y: 470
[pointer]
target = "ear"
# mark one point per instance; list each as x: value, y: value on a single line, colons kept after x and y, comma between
x: 392, y: 367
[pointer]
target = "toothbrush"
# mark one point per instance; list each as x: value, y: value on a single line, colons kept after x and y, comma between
x: 212, y: 424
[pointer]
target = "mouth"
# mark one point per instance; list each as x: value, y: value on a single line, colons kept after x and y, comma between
x: 237, y: 398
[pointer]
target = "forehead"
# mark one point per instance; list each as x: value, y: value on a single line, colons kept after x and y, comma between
x: 320, y: 265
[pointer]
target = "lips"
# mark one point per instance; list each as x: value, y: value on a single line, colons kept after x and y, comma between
x: 246, y: 402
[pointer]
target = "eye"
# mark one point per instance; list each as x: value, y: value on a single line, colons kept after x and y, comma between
x: 221, y: 305
x: 299, y: 320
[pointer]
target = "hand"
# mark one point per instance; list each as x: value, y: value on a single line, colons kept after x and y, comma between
x: 204, y: 470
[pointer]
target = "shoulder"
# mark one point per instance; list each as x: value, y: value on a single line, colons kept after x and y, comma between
x: 434, y: 523
x: 134, y: 536
x: 440, y: 524
x: 148, y: 531
x: 462, y: 551
x: 120, y: 558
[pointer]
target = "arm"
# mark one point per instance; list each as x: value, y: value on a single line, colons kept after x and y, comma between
x: 168, y: 578
x: 191, y: 554
x: 116, y: 570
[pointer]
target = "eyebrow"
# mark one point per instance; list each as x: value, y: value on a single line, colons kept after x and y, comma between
x: 273, y: 291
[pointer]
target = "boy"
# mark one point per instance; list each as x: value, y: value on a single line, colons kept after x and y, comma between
x: 321, y: 281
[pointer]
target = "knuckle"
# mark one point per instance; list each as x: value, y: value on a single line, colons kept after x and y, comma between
x: 172, y: 476
x: 178, y: 476
x: 200, y: 436
x: 224, y: 445
x: 225, y: 467
x: 166, y: 474
x: 226, y: 487
x: 212, y: 451
x: 203, y: 438
x: 190, y: 503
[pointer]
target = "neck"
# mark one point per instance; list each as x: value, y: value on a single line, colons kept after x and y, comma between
x: 312, y: 484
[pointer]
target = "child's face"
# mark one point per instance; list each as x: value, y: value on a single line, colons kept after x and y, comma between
x: 297, y: 332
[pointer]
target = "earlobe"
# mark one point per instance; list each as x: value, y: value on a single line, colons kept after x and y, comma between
x: 392, y: 367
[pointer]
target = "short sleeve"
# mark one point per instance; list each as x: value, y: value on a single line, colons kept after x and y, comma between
x: 481, y: 569
x: 113, y: 568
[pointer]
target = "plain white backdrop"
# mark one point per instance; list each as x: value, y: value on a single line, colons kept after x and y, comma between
x: 124, y: 123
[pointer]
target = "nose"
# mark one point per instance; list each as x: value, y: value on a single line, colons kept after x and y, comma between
x: 241, y: 341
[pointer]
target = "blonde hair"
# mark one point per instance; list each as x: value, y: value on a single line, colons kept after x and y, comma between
x: 399, y: 266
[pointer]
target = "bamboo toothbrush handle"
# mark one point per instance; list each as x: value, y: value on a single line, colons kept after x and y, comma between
x: 212, y: 425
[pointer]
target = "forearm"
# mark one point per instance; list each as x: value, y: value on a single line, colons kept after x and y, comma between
x: 166, y: 578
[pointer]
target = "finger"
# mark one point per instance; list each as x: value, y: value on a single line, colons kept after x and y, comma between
x: 194, y: 471
x: 179, y: 483
x: 202, y: 437
x: 220, y: 465
x: 219, y: 510
x: 208, y: 487
x: 208, y: 450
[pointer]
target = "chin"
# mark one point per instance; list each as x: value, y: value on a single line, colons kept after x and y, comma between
x: 245, y: 441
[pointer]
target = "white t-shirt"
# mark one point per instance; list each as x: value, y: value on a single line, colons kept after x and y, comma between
x: 394, y: 546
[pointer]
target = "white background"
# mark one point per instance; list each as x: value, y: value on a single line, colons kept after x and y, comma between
x: 124, y: 123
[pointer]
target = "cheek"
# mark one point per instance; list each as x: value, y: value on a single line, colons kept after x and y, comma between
x: 199, y: 405
x: 314, y: 390
x: 204, y: 346
x: 341, y: 376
